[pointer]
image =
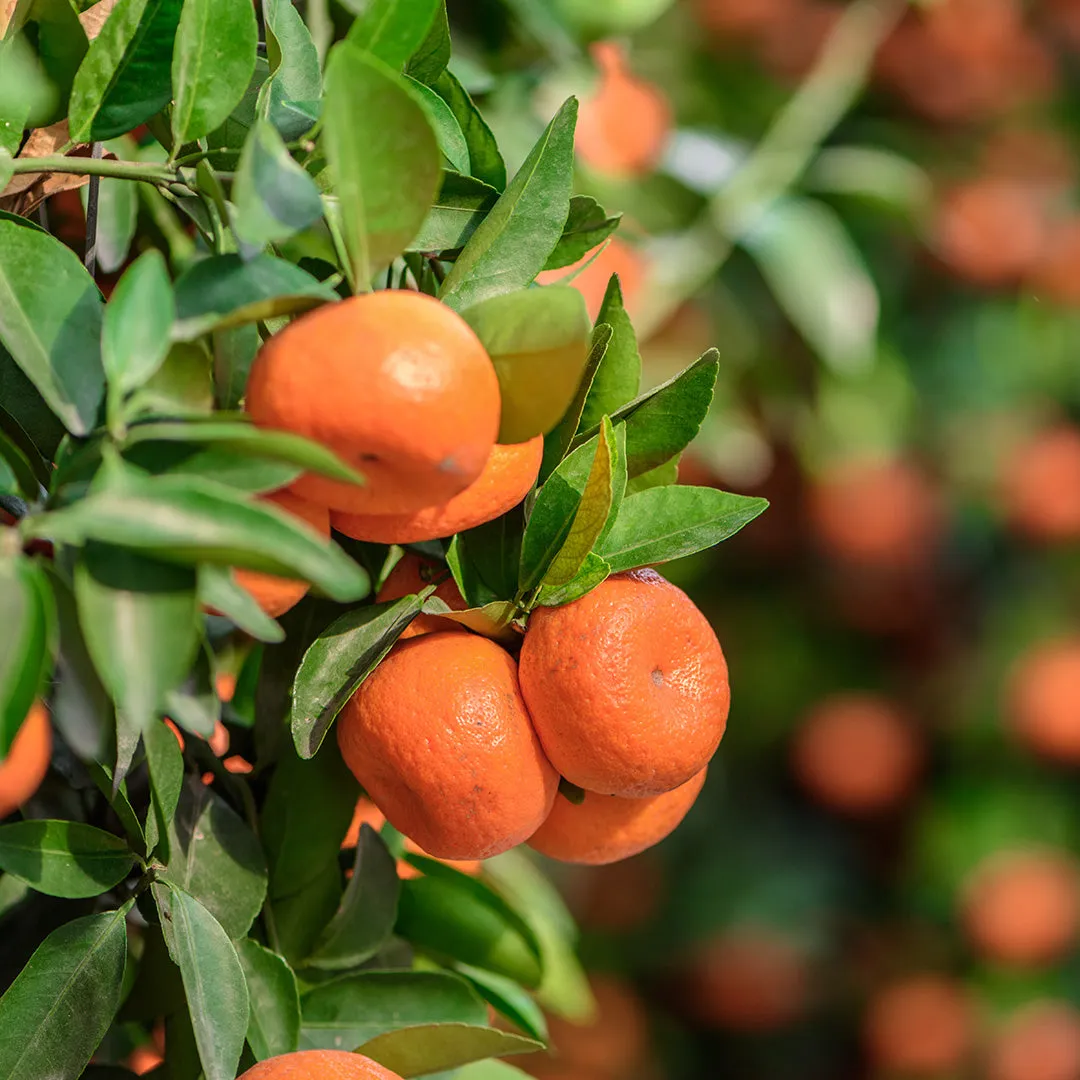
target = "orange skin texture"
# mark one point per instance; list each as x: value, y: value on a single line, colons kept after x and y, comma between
x: 413, y: 573
x: 394, y: 382
x: 604, y: 828
x: 319, y: 1065
x: 622, y: 128
x: 1040, y: 484
x: 627, y: 687
x: 276, y: 595
x: 1023, y: 907
x: 923, y: 1025
x: 1044, y: 700
x: 1041, y: 1041
x: 461, y: 771
x: 507, y: 478
x: 857, y: 753
x: 27, y: 762
x: 748, y: 979
x: 618, y: 257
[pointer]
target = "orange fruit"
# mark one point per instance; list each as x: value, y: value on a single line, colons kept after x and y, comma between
x: 627, y: 687
x: 617, y: 257
x: 604, y: 828
x: 1023, y: 907
x: 439, y: 738
x: 1040, y: 484
x: 27, y: 762
x: 319, y: 1065
x: 507, y: 477
x: 744, y: 18
x: 856, y: 753
x: 1044, y: 699
x: 1040, y: 1041
x: 413, y: 573
x: 622, y: 128
x: 922, y: 1025
x: 394, y: 382
x: 749, y: 978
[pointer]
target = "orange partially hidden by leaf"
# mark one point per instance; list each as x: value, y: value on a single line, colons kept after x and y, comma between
x: 622, y: 128
x: 604, y: 828
x: 1040, y: 485
x: 508, y: 476
x: 413, y: 573
x: 1040, y: 1041
x: 616, y: 257
x: 319, y: 1065
x: 1044, y: 699
x: 22, y: 771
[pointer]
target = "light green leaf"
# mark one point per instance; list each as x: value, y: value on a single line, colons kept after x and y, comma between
x: 219, y: 591
x: 64, y: 858
x: 137, y: 322
x: 274, y: 1022
x: 447, y: 130
x: 166, y: 765
x: 593, y: 572
x: 587, y: 226
x: 460, y: 206
x: 618, y: 378
x: 417, y: 1051
x: 391, y: 30
x: 291, y: 97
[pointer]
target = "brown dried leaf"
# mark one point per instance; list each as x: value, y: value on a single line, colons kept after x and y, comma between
x: 93, y: 18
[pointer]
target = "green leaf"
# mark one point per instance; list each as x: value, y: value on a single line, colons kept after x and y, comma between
x: 36, y: 431
x: 430, y: 1048
x: 461, y: 205
x: 391, y: 30
x: 274, y: 1023
x: 60, y: 44
x: 538, y: 341
x: 365, y: 918
x: 558, y: 440
x: 219, y: 591
x: 213, y: 61
x: 273, y: 198
x: 166, y: 765
x: 662, y: 475
x: 234, y: 353
x: 383, y: 156
x: 216, y: 858
x: 118, y: 212
x: 224, y: 291
x: 300, y: 916
x: 137, y: 321
x: 429, y: 60
x: 618, y: 379
x: 444, y: 123
x: 349, y: 1011
x: 181, y: 387
x: 64, y: 858
x: 27, y: 610
x: 214, y: 983
x: 490, y: 1069
x: 664, y: 523
x: 194, y: 704
x: 482, y: 151
x: 291, y: 97
x: 339, y: 660
x: 516, y: 1004
x: 593, y: 572
x: 50, y: 321
x: 139, y: 619
x: 125, y: 77
x: 587, y: 226
x: 484, y: 560
x: 56, y: 1012
x: 511, y: 245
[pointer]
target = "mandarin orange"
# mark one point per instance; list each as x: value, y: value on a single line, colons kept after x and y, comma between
x: 413, y: 573
x: 319, y: 1065
x: 1040, y: 485
x: 27, y: 762
x: 1044, y: 699
x: 1040, y: 1041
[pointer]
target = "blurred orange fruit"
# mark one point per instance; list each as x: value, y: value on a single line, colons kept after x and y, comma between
x: 1040, y: 1041
x: 507, y: 478
x: 1044, y: 699
x: 27, y: 761
x: 627, y: 687
x: 616, y: 257
x: 1056, y: 276
x: 319, y: 1065
x: 413, y: 573
x: 1040, y: 484
x: 397, y: 384
x: 744, y: 18
x: 461, y: 771
x: 619, y: 896
x: 856, y: 753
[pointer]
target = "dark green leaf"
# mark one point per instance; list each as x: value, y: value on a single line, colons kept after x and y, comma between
x: 511, y: 245
x: 430, y: 1048
x: 274, y: 1023
x: 515, y: 1003
x: 339, y: 660
x: 225, y: 291
x: 485, y: 161
x: 618, y: 379
x: 433, y: 54
x: 50, y: 321
x: 118, y: 213
x: 365, y: 918
x: 391, y: 30
x: 300, y: 916
x: 460, y: 206
x: 291, y: 98
x: 214, y: 983
x: 383, y: 156
x: 138, y: 318
x: 234, y: 353
x: 56, y: 1012
x: 665, y: 523
x: 444, y: 123
x: 213, y: 61
x: 219, y: 591
x: 64, y: 858
x: 350, y: 1010
x: 587, y: 226
x: 36, y: 431
x: 166, y: 764
x: 117, y: 797
x: 485, y: 560
x: 227, y: 140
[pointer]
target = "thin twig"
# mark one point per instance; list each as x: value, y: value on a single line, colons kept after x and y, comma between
x: 93, y: 194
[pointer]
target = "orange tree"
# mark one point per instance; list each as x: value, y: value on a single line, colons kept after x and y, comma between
x: 320, y: 205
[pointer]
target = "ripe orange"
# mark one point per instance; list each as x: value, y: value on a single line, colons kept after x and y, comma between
x: 618, y: 257
x: 319, y: 1065
x: 1041, y: 1041
x: 22, y: 771
x: 1023, y: 907
x: 509, y: 474
x: 856, y: 753
x: 1040, y: 485
x: 627, y: 687
x: 622, y: 128
x: 923, y: 1025
x: 276, y: 595
x: 1044, y: 699
x: 413, y: 573
x: 459, y: 770
x: 605, y: 828
x: 393, y: 381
